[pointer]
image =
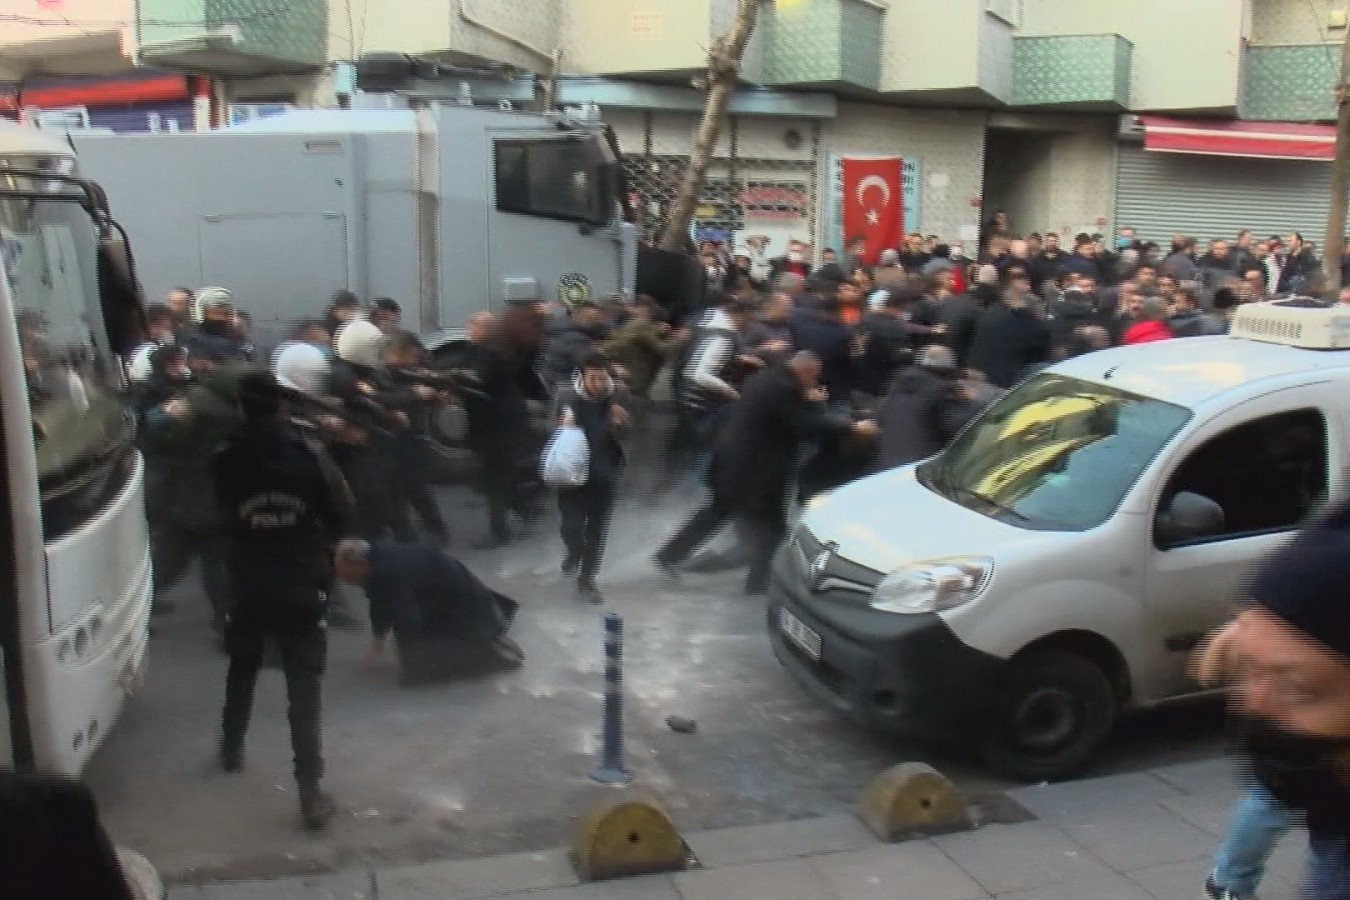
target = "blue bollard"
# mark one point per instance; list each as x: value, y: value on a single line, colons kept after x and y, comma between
x: 611, y: 769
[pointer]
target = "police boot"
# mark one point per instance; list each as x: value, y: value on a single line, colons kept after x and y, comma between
x: 316, y: 807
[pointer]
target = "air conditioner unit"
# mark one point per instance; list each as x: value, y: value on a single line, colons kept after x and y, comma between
x: 1295, y: 322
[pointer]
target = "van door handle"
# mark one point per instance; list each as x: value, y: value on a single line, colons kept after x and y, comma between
x: 1183, y: 643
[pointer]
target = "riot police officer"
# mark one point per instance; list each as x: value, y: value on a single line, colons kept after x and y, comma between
x: 283, y: 505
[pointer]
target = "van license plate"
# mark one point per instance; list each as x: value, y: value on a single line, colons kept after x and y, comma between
x: 796, y: 631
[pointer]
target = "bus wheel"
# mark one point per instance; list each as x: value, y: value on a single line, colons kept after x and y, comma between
x: 1054, y: 711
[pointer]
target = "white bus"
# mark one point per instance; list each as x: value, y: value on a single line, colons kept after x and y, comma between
x: 75, y: 580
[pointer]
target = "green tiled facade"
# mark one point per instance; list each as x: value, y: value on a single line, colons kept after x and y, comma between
x: 823, y: 42
x: 292, y: 32
x: 1072, y: 70
x: 1289, y: 84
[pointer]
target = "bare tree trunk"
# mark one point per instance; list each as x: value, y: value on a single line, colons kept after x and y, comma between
x: 1334, y: 244
x: 724, y: 64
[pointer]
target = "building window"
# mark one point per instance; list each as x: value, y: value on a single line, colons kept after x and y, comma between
x: 1009, y: 11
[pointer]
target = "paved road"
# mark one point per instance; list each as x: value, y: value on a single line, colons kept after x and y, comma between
x: 500, y: 764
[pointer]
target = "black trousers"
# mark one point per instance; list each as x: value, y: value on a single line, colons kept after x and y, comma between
x: 304, y: 653
x: 412, y: 493
x: 586, y: 512
x: 172, y: 549
x: 370, y: 471
x: 765, y: 525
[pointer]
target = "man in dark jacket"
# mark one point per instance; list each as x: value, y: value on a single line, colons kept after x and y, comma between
x: 755, y: 459
x: 924, y: 410
x: 1009, y: 337
x: 215, y: 341
x: 586, y: 509
x: 498, y: 420
x: 284, y: 505
x: 186, y: 524
x: 1298, y: 266
x: 570, y: 341
x: 444, y: 619
x: 888, y: 344
x: 817, y: 328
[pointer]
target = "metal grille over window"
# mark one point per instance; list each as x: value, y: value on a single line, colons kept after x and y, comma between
x: 754, y: 203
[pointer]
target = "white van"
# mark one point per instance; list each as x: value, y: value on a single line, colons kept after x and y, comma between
x: 1056, y: 565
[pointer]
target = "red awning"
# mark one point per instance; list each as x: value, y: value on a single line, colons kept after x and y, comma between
x: 113, y: 92
x: 1271, y: 140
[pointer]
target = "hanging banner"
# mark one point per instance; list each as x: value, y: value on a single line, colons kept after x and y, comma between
x: 855, y: 197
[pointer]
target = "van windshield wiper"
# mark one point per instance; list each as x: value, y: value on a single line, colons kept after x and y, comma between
x: 994, y: 504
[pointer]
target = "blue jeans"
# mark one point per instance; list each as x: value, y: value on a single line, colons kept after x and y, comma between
x: 1256, y: 826
x: 1328, y: 870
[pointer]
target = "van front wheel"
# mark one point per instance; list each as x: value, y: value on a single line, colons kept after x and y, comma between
x: 1055, y: 709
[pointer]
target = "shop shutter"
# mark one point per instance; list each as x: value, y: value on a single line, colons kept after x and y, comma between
x: 1160, y: 194
x: 140, y: 117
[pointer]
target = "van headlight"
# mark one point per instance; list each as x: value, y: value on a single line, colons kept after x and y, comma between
x: 932, y: 586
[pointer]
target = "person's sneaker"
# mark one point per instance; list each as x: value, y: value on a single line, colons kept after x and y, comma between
x: 571, y: 563
x: 589, y: 592
x: 316, y: 808
x: 231, y: 756
x: 1214, y: 892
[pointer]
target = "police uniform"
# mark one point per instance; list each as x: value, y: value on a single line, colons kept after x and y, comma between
x: 283, y: 504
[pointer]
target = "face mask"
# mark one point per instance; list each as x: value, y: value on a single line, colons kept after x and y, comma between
x: 1123, y: 242
x: 1300, y: 770
x: 794, y: 256
x: 714, y: 271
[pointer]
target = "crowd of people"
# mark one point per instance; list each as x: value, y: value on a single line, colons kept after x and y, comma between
x: 891, y: 359
x: 782, y: 383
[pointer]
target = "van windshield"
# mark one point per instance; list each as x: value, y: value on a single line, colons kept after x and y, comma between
x: 1054, y: 454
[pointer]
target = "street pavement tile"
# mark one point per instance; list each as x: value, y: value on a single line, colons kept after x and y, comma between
x: 1113, y: 887
x: 1209, y: 812
x: 1207, y: 776
x: 467, y: 879
x: 1015, y: 857
x: 1187, y: 879
x: 352, y: 885
x: 916, y: 870
x: 654, y: 887
x: 789, y: 879
x: 1071, y: 800
x: 780, y: 840
x: 184, y: 892
x: 1134, y: 837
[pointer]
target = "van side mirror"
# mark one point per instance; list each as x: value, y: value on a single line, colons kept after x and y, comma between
x: 1189, y: 517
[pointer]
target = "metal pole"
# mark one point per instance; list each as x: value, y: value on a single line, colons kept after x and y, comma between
x: 1334, y: 243
x: 611, y: 769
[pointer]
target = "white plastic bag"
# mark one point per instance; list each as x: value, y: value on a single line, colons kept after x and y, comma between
x: 567, y: 458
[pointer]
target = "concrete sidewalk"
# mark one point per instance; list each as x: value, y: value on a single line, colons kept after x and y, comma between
x: 1142, y: 836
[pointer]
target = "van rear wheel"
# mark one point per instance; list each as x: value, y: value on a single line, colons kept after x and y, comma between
x: 1054, y: 711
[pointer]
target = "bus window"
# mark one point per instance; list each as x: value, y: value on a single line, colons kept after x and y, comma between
x: 83, y: 438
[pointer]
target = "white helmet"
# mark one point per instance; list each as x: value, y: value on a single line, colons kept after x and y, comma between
x: 302, y: 367
x: 209, y: 297
x: 361, y: 343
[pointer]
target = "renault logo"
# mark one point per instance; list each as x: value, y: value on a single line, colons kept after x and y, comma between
x: 821, y: 563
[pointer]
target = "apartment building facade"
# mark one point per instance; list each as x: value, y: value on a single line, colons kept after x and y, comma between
x: 1205, y: 116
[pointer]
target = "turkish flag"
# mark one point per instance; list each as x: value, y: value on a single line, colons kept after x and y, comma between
x: 873, y: 204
